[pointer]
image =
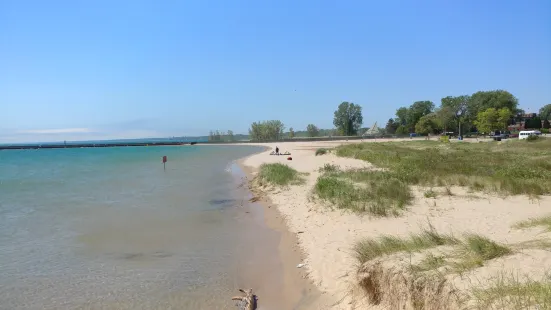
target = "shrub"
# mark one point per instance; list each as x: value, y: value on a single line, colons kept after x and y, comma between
x: 532, y: 138
x: 321, y: 151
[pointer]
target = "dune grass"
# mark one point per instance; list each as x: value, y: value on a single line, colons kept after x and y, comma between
x: 430, y: 193
x: 329, y: 168
x: 510, y: 168
x: 279, y: 174
x: 540, y: 221
x: 321, y: 151
x: 510, y: 292
x: 379, y: 194
x: 370, y: 248
x: 475, y: 250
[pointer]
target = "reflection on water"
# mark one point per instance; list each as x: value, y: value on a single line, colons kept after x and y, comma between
x: 109, y: 229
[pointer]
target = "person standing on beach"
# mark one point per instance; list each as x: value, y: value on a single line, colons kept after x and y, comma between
x: 277, y: 150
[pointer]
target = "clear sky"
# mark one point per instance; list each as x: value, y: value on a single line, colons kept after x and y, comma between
x: 96, y: 69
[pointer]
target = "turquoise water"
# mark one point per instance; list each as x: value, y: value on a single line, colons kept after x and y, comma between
x: 109, y: 228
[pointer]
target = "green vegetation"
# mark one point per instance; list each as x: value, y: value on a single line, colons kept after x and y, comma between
x: 313, y: 130
x: 267, y: 130
x: 532, y: 138
x: 430, y: 193
x: 348, y: 118
x: 329, y: 168
x: 379, y: 194
x: 279, y: 174
x: 321, y: 151
x: 510, y: 292
x: 369, y: 249
x: 476, y: 250
x: 502, y: 168
x: 541, y: 221
x: 492, y: 119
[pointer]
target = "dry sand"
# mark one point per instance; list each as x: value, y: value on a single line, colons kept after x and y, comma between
x: 326, y: 236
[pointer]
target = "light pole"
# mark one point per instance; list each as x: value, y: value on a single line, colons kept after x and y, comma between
x: 458, y: 114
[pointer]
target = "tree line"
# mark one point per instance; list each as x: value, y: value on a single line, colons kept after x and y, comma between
x: 483, y: 111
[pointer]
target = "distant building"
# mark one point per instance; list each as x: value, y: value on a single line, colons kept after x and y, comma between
x: 520, y: 121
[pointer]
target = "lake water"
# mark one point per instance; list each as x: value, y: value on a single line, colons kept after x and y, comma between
x: 109, y: 228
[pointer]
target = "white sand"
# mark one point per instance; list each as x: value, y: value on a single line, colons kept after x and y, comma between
x: 327, y: 236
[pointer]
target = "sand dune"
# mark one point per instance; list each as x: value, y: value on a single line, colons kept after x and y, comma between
x: 327, y: 236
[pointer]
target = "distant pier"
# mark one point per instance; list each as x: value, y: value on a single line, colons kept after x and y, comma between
x: 86, y: 145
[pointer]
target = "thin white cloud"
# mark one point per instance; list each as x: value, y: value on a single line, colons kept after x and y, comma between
x: 55, y: 131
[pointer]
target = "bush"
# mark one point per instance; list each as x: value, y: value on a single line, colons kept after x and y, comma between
x: 544, y: 130
x: 532, y: 138
x: 321, y: 151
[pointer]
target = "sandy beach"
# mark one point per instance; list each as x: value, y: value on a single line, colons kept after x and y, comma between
x: 325, y: 237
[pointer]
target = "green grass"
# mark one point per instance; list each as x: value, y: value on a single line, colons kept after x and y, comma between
x: 370, y: 248
x: 378, y: 194
x: 511, y: 168
x: 279, y: 174
x: 541, y: 221
x: 430, y: 262
x: 430, y: 193
x: 476, y: 250
x: 321, y: 151
x: 329, y: 168
x: 510, y: 292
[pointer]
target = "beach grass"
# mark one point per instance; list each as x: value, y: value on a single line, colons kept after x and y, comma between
x: 509, y: 291
x: 510, y: 168
x: 476, y: 250
x: 379, y: 194
x: 279, y: 174
x: 329, y: 168
x: 540, y: 221
x: 430, y: 193
x: 370, y: 248
x: 321, y: 151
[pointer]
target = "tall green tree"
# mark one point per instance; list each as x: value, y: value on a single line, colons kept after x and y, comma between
x: 401, y: 116
x: 483, y: 100
x: 348, y: 118
x: 291, y: 133
x: 428, y: 124
x: 417, y: 110
x: 266, y: 130
x: 391, y: 126
x: 230, y: 136
x: 545, y: 112
x: 402, y: 130
x: 492, y: 119
x: 313, y: 130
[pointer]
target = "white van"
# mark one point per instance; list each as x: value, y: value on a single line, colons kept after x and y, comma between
x: 527, y: 133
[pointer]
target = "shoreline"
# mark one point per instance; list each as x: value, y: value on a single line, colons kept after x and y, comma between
x: 298, y: 291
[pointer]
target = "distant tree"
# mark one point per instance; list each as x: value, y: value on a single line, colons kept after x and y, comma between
x: 266, y: 130
x: 348, y: 118
x: 483, y: 100
x: 453, y: 111
x: 291, y: 133
x: 545, y: 112
x: 492, y: 119
x: 391, y: 126
x: 230, y: 136
x: 313, y: 130
x: 417, y: 110
x: 428, y: 124
x: 546, y: 124
x: 401, y: 116
x: 533, y: 123
x: 402, y: 130
x: 446, y: 117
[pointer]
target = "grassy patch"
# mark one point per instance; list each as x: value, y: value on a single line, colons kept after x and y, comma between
x: 511, y: 292
x: 279, y: 174
x: 430, y: 262
x: 369, y: 249
x: 379, y: 194
x: 513, y: 168
x: 430, y: 193
x: 321, y: 151
x: 476, y: 250
x: 329, y: 168
x: 541, y: 221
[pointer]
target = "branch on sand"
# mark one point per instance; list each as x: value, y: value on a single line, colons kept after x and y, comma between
x: 247, y: 302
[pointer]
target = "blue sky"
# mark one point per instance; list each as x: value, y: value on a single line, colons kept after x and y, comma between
x: 100, y: 69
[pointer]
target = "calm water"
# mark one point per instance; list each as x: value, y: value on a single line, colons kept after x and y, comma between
x: 108, y: 228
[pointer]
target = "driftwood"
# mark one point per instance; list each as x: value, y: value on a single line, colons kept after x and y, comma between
x: 247, y: 302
